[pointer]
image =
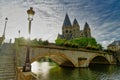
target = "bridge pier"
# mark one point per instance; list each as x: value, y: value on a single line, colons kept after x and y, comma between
x: 82, y: 62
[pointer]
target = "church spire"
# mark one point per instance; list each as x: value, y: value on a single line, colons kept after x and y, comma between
x: 86, y: 26
x: 75, y: 22
x: 66, y: 22
x: 87, y: 31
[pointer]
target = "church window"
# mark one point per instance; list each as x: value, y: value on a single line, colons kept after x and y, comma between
x: 66, y: 31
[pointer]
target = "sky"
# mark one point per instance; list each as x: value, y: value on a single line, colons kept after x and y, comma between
x: 103, y: 16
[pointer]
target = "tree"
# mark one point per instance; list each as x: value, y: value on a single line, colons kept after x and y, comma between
x: 22, y: 40
x: 89, y: 43
x: 60, y: 41
x: 46, y: 42
x: 84, y: 42
x: 40, y: 41
x: 34, y: 42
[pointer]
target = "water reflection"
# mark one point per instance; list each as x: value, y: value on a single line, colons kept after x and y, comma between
x: 49, y: 71
x: 41, y: 69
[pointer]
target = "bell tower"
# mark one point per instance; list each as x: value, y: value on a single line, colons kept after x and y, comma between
x: 67, y: 28
x: 87, y: 31
x: 76, y: 29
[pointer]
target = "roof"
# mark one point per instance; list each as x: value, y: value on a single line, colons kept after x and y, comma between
x: 115, y: 43
x: 66, y: 21
x: 86, y: 26
x: 75, y: 22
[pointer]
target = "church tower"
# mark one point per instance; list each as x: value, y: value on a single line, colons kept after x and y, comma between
x: 87, y: 31
x: 72, y: 31
x: 67, y: 28
x: 75, y: 29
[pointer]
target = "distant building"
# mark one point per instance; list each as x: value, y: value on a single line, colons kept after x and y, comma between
x: 114, y: 46
x: 70, y: 31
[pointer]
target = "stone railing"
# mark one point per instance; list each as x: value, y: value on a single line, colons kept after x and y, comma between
x: 25, y: 75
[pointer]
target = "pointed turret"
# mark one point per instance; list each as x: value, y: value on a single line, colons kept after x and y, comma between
x: 66, y: 22
x: 71, y: 31
x: 86, y: 26
x: 76, y: 29
x: 67, y: 28
x: 87, y: 31
x: 75, y: 22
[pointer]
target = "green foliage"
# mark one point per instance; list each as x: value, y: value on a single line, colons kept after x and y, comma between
x: 99, y: 46
x: 70, y: 44
x: 60, y: 41
x: 21, y: 40
x: 83, y: 42
x: 45, y: 42
x: 40, y: 41
x: 33, y: 42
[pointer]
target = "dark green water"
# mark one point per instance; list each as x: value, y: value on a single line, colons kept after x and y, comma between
x: 49, y: 71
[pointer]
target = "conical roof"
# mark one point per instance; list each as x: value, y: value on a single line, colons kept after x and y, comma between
x: 86, y: 26
x: 75, y: 21
x: 66, y: 21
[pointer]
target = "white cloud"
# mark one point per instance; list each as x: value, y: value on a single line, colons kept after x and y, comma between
x: 50, y: 14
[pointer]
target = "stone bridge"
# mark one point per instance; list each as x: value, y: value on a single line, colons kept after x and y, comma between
x: 65, y: 56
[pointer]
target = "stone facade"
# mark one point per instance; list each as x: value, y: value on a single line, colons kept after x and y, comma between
x: 114, y: 46
x: 70, y: 31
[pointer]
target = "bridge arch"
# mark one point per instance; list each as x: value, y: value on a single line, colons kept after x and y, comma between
x: 58, y: 58
x: 99, y: 59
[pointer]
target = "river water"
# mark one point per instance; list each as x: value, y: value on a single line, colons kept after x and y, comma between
x: 51, y: 71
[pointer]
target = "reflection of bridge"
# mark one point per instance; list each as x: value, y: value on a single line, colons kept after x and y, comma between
x: 65, y: 56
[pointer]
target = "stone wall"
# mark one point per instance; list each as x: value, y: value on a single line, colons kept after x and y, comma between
x: 25, y: 75
x: 63, y: 57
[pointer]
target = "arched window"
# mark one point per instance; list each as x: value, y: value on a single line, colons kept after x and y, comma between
x: 66, y: 31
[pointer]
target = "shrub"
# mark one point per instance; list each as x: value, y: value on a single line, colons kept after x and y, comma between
x: 60, y: 41
x: 46, y: 42
x: 89, y: 43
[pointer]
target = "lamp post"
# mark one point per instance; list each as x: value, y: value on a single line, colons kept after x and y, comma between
x: 6, y: 19
x: 30, y: 13
x: 27, y: 66
x: 19, y: 33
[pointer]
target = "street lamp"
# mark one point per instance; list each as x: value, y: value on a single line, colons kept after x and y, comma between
x: 3, y: 36
x: 27, y: 66
x: 19, y: 33
x: 6, y: 19
x: 30, y: 13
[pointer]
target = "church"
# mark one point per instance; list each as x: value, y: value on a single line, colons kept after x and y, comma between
x: 71, y: 31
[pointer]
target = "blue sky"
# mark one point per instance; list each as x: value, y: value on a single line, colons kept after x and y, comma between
x: 103, y: 16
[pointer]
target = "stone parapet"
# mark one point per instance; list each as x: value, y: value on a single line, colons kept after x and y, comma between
x: 25, y: 75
